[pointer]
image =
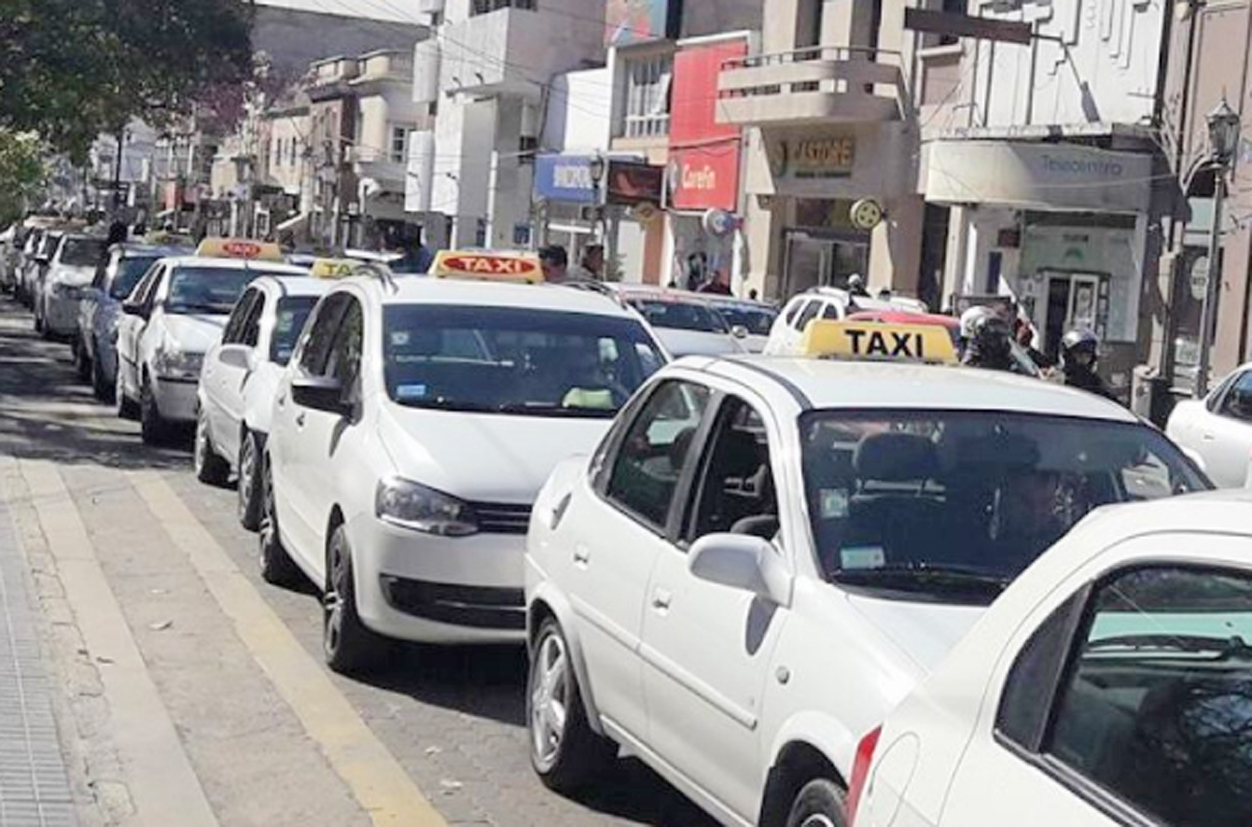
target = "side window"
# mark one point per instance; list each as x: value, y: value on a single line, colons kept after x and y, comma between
x: 793, y: 308
x: 233, y: 334
x: 655, y: 449
x: 148, y: 297
x: 1157, y: 702
x: 831, y: 312
x: 735, y: 489
x: 252, y: 322
x: 320, y: 334
x: 102, y: 273
x: 1237, y: 403
x: 1022, y: 714
x: 138, y: 296
x: 349, y: 342
x: 810, y: 311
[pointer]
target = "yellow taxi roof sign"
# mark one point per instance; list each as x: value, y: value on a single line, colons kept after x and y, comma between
x: 928, y: 344
x: 241, y: 248
x: 333, y: 268
x: 520, y: 268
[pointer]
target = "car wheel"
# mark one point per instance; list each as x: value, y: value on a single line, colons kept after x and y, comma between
x: 211, y: 469
x: 101, y: 388
x: 38, y: 305
x: 348, y: 646
x: 818, y: 804
x: 152, y: 426
x: 81, y: 363
x: 277, y: 568
x: 249, y: 488
x: 126, y: 407
x: 564, y: 750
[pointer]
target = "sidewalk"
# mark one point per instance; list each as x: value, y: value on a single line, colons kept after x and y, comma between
x: 34, y: 784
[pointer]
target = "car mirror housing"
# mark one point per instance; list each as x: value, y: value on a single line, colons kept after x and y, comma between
x: 742, y: 562
x: 739, y: 332
x: 321, y: 393
x: 236, y: 356
x: 134, y: 310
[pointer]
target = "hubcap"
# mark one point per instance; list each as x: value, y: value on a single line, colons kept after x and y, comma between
x: 817, y: 820
x: 202, y: 443
x: 549, y: 699
x: 269, y: 529
x: 247, y: 475
x: 332, y: 601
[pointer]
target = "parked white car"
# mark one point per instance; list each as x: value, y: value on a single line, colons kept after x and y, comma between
x: 751, y: 321
x: 685, y: 322
x: 170, y: 320
x: 827, y: 303
x: 1110, y: 685
x: 239, y: 382
x: 1217, y: 430
x: 66, y: 281
x: 766, y: 555
x: 412, y: 430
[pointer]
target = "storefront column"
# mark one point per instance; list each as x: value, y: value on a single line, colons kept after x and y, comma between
x: 896, y: 247
x: 761, y: 253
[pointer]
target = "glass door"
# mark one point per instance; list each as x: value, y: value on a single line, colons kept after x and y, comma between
x: 821, y: 261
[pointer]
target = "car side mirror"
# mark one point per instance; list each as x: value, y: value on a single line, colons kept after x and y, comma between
x: 321, y: 393
x: 739, y: 332
x: 236, y: 356
x: 743, y: 562
x: 134, y: 309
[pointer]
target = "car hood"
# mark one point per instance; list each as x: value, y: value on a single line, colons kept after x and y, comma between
x: 483, y: 457
x: 697, y: 343
x: 194, y: 333
x: 926, y: 632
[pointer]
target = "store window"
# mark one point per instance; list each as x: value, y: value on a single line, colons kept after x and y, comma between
x: 487, y: 6
x: 648, y: 84
x: 399, y: 144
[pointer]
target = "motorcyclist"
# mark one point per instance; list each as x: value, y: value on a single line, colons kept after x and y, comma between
x: 988, y: 343
x: 856, y: 285
x: 1080, y: 351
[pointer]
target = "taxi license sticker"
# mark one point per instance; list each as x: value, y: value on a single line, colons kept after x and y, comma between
x: 878, y: 341
x: 862, y: 557
x: 485, y: 266
x: 400, y: 338
x: 411, y: 392
x: 834, y: 504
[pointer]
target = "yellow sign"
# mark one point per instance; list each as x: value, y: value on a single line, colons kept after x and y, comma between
x: 244, y: 248
x: 930, y: 344
x: 333, y: 268
x: 522, y: 268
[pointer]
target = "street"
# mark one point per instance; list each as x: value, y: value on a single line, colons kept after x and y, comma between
x: 186, y: 691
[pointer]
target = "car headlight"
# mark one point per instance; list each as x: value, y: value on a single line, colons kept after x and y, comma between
x: 409, y: 505
x: 175, y: 364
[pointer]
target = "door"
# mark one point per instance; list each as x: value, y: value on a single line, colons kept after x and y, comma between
x: 615, y: 534
x: 290, y: 445
x: 1223, y: 435
x: 707, y: 648
x: 1074, y: 303
x: 227, y: 382
x: 823, y: 260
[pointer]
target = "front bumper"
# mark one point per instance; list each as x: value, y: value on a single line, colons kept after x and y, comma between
x: 175, y: 398
x: 444, y: 590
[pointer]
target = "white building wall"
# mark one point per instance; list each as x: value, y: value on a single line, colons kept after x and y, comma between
x: 579, y: 112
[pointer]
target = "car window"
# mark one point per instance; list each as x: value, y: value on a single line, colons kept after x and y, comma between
x: 735, y: 492
x: 655, y: 449
x: 757, y: 321
x: 956, y: 504
x: 82, y: 252
x: 102, y: 273
x: 345, y: 351
x: 315, y: 348
x: 1157, y: 704
x: 807, y: 315
x: 680, y: 316
x: 233, y: 333
x: 128, y: 272
x: 252, y: 322
x: 146, y: 289
x: 831, y: 312
x: 289, y: 320
x: 1237, y: 403
x: 793, y: 308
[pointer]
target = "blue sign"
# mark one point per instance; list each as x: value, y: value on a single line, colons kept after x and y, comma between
x: 564, y: 178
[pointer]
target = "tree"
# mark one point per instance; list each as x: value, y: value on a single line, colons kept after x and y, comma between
x: 22, y: 173
x: 72, y: 69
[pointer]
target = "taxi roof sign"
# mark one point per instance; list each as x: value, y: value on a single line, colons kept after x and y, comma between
x: 927, y: 344
x: 519, y: 268
x: 242, y: 248
x: 334, y: 268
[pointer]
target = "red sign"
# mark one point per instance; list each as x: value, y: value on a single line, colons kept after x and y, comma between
x: 704, y: 155
x: 503, y: 267
x: 241, y: 249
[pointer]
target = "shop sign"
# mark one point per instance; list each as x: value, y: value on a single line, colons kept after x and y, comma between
x: 827, y: 156
x: 705, y: 154
x: 866, y: 214
x: 564, y: 178
x: 705, y: 178
x: 633, y: 182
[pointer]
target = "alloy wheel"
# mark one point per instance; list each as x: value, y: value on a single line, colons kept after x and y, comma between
x: 550, y: 696
x: 332, y: 600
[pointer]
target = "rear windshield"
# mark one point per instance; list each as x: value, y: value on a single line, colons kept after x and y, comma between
x: 509, y: 360
x: 757, y: 321
x: 960, y: 503
x: 680, y: 316
x: 129, y: 272
x: 293, y: 312
x: 82, y: 252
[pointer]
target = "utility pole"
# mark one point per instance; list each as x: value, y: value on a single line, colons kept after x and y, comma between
x: 1224, y: 126
x: 117, y: 170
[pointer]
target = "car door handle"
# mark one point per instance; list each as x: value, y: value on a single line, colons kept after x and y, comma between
x: 582, y: 556
x: 661, y: 600
x: 300, y: 420
x: 1208, y: 437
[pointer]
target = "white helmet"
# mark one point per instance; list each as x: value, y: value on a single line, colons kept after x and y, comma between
x: 970, y: 319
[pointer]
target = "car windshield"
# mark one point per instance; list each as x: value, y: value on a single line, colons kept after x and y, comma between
x: 757, y: 321
x: 129, y: 272
x: 680, y: 316
x: 293, y: 312
x: 82, y: 252
x: 209, y: 290
x: 959, y: 503
x: 514, y: 360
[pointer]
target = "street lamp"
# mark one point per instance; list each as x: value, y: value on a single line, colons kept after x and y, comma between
x: 1224, y: 128
x: 598, y: 167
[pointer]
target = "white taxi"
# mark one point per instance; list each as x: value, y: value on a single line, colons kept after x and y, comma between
x: 412, y: 430
x: 786, y: 335
x: 1110, y: 685
x: 172, y: 317
x: 239, y: 381
x: 767, y: 554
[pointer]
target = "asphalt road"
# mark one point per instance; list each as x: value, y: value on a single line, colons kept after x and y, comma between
x: 85, y: 491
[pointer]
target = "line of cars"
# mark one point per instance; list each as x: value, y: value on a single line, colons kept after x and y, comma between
x: 807, y: 589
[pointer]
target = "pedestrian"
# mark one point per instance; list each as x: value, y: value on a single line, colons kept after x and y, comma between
x: 719, y: 285
x: 697, y: 270
x: 416, y: 259
x: 555, y: 263
x: 885, y: 295
x: 591, y: 267
x: 753, y: 294
x: 856, y: 286
x: 1080, y: 352
x: 118, y: 233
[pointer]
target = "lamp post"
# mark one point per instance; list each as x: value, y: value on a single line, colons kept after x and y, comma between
x: 1224, y: 128
x: 599, y: 168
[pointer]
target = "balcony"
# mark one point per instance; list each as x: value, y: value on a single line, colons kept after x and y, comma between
x: 821, y: 83
x: 371, y: 162
x: 482, y: 55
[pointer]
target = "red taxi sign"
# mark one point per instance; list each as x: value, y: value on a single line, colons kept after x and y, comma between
x: 241, y: 248
x: 521, y: 268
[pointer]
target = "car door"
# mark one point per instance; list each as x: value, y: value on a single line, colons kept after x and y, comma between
x: 292, y: 449
x: 131, y: 326
x: 1223, y: 437
x: 222, y: 383
x: 1127, y: 705
x: 613, y: 529
x: 707, y: 648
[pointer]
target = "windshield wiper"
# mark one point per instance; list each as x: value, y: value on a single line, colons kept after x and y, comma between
x: 549, y: 408
x: 446, y: 405
x: 925, y: 574
x: 1223, y: 647
x: 195, y: 307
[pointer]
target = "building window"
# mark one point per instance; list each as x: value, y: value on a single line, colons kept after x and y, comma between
x: 295, y: 150
x: 487, y: 6
x: 399, y: 144
x: 648, y: 84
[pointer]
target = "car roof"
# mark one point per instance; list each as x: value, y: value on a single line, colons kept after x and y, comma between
x: 905, y: 317
x: 262, y: 267
x: 832, y: 383
x: 661, y: 294
x: 132, y: 248
x: 551, y: 297
x: 295, y: 285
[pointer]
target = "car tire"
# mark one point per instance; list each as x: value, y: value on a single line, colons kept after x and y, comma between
x: 126, y: 407
x: 37, y: 306
x: 211, y: 469
x: 81, y: 363
x: 564, y: 750
x: 249, y: 489
x: 820, y: 803
x: 277, y: 567
x: 154, y: 429
x: 349, y: 647
x: 101, y: 388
